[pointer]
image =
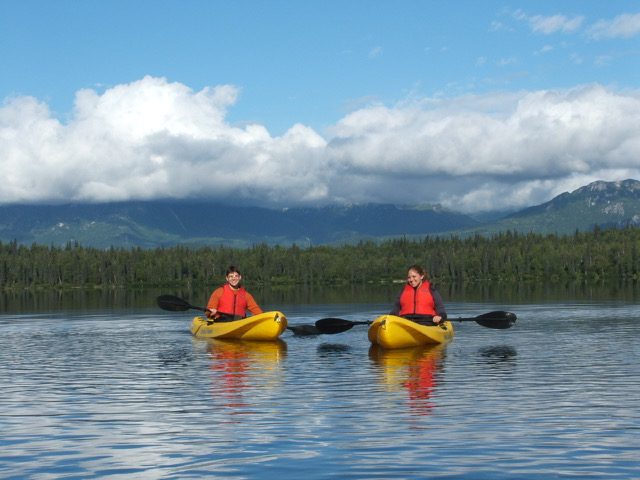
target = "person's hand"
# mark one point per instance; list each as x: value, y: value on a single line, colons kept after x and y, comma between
x: 436, y: 319
x: 210, y: 312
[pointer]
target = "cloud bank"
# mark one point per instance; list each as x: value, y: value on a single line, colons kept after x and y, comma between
x: 158, y: 139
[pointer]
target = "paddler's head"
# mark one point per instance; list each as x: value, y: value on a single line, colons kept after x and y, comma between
x: 415, y: 275
x: 233, y: 277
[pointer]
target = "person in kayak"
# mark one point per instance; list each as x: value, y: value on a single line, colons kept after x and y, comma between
x: 231, y: 301
x: 419, y: 299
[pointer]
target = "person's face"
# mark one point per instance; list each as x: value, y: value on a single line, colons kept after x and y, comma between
x: 414, y: 278
x: 234, y: 279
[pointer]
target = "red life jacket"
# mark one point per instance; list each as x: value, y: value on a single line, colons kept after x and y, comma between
x: 233, y: 302
x: 418, y: 301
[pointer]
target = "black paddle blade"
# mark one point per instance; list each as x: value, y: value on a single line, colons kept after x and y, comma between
x: 498, y: 320
x: 334, y: 325
x: 174, y: 304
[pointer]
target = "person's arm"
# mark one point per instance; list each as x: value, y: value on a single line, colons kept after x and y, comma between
x: 252, y: 305
x: 437, y: 299
x: 212, y: 304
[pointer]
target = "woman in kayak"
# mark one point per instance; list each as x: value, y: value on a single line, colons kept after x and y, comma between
x: 419, y: 298
x: 231, y: 301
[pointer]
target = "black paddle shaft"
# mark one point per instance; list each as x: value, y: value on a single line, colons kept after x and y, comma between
x: 498, y: 320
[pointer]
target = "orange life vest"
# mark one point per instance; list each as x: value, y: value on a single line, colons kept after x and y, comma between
x: 417, y: 301
x: 233, y: 302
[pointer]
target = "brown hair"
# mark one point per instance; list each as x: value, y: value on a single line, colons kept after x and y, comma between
x: 232, y: 269
x: 421, y: 271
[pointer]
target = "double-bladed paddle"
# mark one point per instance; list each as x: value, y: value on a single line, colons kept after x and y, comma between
x: 498, y: 319
x: 177, y: 304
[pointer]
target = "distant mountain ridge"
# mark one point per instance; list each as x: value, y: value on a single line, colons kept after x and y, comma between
x: 165, y: 223
x: 606, y: 204
x: 150, y: 224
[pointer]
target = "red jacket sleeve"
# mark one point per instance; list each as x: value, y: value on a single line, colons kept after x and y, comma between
x: 252, y: 305
x: 214, y: 299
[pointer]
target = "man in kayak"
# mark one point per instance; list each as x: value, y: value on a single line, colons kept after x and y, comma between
x: 231, y: 301
x: 419, y: 300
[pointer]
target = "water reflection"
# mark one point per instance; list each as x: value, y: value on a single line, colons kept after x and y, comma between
x: 499, y: 354
x: 329, y: 349
x: 30, y: 300
x: 176, y: 356
x: 239, y: 368
x: 416, y: 370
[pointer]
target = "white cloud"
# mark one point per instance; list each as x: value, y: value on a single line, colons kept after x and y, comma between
x: 622, y: 26
x: 602, y: 60
x: 504, y: 62
x: 548, y: 25
x: 463, y: 149
x: 375, y: 52
x: 555, y: 23
x: 148, y: 139
x: 544, y: 49
x: 498, y: 26
x: 576, y: 58
x: 156, y: 139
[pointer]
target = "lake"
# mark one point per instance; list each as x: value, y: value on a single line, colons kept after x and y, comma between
x: 128, y: 393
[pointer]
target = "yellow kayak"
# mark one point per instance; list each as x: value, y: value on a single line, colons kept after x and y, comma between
x: 390, y: 331
x: 265, y: 326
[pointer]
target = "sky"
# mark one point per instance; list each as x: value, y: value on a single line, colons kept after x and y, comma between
x: 475, y: 105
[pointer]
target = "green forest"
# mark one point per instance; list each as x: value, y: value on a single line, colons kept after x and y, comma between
x: 599, y: 255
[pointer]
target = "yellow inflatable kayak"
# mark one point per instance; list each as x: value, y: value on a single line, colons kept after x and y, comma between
x: 390, y: 331
x: 265, y: 326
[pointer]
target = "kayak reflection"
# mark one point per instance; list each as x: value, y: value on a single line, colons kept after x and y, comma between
x: 415, y: 370
x: 241, y: 368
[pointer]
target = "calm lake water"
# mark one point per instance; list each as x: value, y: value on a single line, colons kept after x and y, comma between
x: 130, y: 394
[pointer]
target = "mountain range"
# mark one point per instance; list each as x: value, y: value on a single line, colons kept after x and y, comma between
x: 163, y: 223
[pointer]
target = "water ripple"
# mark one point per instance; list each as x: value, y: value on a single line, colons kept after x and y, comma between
x: 136, y: 395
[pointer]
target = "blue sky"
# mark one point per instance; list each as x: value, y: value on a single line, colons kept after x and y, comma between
x: 475, y: 105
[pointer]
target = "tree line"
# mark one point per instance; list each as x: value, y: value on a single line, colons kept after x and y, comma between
x: 598, y: 255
